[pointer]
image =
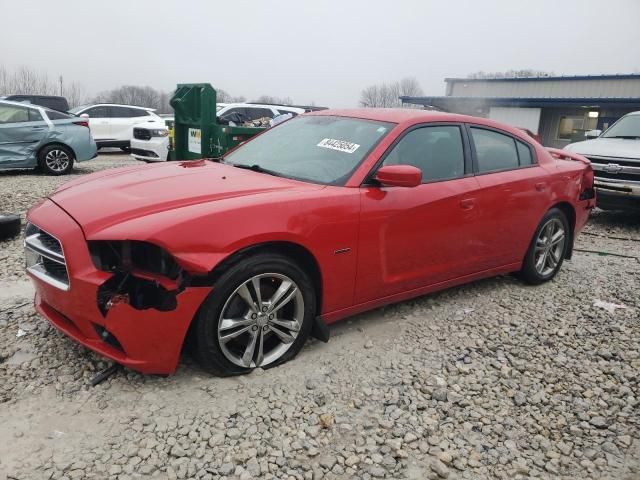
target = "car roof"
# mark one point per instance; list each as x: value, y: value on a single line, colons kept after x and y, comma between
x: 22, y: 104
x: 262, y: 105
x: 409, y: 115
x: 117, y: 105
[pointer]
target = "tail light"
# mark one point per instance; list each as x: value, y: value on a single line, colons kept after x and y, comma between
x: 82, y: 123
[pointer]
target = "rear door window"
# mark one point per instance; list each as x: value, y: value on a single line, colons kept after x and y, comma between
x: 138, y: 112
x: 98, y: 112
x: 494, y: 151
x: 120, y: 112
x: 34, y: 115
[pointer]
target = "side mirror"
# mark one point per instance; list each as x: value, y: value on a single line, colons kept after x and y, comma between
x: 592, y: 133
x: 399, y: 176
x: 84, y: 115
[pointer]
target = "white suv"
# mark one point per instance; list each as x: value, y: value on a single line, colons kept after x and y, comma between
x: 251, y: 111
x: 151, y: 142
x: 111, y: 124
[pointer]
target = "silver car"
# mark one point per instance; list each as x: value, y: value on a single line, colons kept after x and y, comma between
x: 33, y: 136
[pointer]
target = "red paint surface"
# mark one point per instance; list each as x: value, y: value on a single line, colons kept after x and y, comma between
x: 403, y: 242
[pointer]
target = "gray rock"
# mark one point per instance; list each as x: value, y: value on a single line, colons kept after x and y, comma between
x: 439, y: 468
x: 599, y: 422
x: 440, y: 394
x: 327, y: 461
x: 519, y: 399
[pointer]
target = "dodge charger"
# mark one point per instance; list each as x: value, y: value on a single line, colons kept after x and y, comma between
x: 319, y: 218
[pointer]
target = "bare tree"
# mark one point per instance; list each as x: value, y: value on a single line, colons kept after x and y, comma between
x: 25, y: 81
x: 225, y: 97
x: 75, y: 94
x: 388, y: 95
x: 274, y: 100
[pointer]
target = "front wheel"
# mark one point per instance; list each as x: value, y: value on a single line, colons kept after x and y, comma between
x: 547, y: 249
x: 259, y: 314
x: 55, y: 160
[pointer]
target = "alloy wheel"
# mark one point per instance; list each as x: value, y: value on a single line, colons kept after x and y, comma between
x: 549, y: 247
x: 260, y: 320
x: 57, y: 160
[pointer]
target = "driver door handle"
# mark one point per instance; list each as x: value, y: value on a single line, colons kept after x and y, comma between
x: 467, y: 203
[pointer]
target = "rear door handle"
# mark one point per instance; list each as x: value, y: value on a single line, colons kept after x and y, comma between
x: 37, y: 128
x: 540, y: 186
x: 467, y: 203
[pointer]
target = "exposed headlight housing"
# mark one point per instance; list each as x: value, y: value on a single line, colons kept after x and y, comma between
x: 159, y: 132
x: 132, y: 255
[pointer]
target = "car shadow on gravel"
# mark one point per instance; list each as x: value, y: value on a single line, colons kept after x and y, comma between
x: 617, y: 218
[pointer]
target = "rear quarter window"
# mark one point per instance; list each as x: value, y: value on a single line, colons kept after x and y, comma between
x: 55, y: 115
x: 524, y: 154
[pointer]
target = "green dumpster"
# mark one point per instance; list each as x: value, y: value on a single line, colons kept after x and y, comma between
x: 197, y: 133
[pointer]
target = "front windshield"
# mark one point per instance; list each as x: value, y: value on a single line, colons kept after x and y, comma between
x: 318, y: 149
x: 626, y: 127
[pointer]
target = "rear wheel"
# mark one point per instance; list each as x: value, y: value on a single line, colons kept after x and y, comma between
x: 259, y: 314
x: 547, y: 249
x: 55, y: 159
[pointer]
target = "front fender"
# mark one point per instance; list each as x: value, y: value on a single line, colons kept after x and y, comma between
x: 201, y: 236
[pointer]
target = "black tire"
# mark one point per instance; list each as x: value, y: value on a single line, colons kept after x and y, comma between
x: 48, y: 165
x: 205, y: 332
x: 529, y: 272
x: 9, y: 226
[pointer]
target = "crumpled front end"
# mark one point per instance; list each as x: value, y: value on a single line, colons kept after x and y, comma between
x: 136, y: 318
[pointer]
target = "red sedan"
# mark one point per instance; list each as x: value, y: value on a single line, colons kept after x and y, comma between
x: 321, y: 217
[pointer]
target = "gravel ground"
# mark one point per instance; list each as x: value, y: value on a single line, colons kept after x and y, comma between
x: 491, y: 380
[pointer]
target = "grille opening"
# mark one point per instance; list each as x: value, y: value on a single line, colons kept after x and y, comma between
x: 45, y: 257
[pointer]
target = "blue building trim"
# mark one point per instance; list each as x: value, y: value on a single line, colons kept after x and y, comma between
x: 450, y: 102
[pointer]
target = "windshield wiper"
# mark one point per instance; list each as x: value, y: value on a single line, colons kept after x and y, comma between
x: 628, y: 137
x: 256, y: 168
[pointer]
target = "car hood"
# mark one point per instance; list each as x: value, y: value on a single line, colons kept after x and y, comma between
x: 152, y: 124
x: 107, y: 198
x: 607, y: 147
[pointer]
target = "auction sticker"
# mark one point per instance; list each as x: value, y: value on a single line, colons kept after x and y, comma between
x: 339, y: 145
x: 194, y: 143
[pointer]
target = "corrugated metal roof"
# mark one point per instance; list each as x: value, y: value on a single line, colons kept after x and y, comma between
x: 631, y: 102
x: 616, y: 76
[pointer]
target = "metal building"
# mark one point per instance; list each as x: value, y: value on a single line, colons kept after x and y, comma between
x: 559, y: 109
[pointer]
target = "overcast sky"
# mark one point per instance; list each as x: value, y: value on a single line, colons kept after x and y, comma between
x: 317, y: 50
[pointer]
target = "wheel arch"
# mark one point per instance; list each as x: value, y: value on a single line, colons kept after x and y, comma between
x: 570, y: 212
x: 300, y: 254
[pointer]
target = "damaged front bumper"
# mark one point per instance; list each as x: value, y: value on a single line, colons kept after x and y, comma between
x: 145, y: 339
